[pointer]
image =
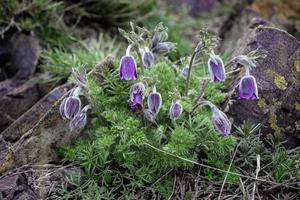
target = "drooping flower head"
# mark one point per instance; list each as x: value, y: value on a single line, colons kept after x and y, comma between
x: 154, y: 101
x: 185, y: 72
x: 137, y: 96
x: 80, y: 77
x: 163, y: 47
x: 245, y: 61
x: 216, y: 68
x: 71, y: 105
x: 128, y: 68
x: 79, y: 121
x: 248, y: 88
x: 175, y: 110
x: 219, y: 119
x: 147, y: 58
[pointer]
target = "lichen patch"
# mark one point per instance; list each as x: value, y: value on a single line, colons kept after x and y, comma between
x: 279, y: 80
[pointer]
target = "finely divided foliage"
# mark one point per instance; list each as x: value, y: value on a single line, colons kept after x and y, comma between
x: 148, y: 117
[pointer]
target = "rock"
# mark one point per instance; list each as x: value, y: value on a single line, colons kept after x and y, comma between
x: 41, y: 131
x: 17, y: 96
x: 14, y: 187
x: 33, y: 115
x: 234, y: 27
x: 283, y: 13
x: 278, y: 80
x: 196, y: 7
x: 25, y: 55
x: 6, y: 156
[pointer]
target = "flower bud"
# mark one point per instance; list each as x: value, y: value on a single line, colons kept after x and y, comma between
x: 248, y: 88
x: 128, y: 68
x: 154, y: 101
x: 185, y: 72
x: 220, y: 121
x: 137, y: 96
x: 150, y: 116
x: 70, y: 107
x: 163, y: 47
x: 79, y: 121
x: 216, y: 68
x: 80, y: 77
x: 148, y: 58
x: 175, y: 110
x: 245, y: 61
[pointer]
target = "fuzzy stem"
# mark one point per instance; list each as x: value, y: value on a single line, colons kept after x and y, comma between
x: 189, y: 73
x: 202, y: 103
x: 128, y: 50
x: 200, y: 96
x: 140, y: 58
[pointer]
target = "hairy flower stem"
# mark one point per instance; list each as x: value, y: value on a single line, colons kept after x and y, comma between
x: 189, y: 73
x: 200, y: 97
x: 140, y: 58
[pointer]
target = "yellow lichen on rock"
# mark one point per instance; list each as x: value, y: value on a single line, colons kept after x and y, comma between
x: 297, y: 65
x: 273, y: 117
x: 279, y: 80
x: 262, y: 105
x: 297, y: 106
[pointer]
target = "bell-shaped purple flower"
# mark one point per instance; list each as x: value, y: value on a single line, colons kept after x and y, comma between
x: 248, y: 88
x: 220, y: 121
x: 185, y: 72
x: 137, y: 96
x: 175, y: 110
x: 79, y: 121
x: 163, y: 47
x: 128, y: 68
x: 69, y: 107
x: 80, y: 77
x: 148, y: 58
x: 216, y: 68
x: 154, y: 101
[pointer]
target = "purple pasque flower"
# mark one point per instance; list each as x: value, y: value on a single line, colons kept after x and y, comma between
x: 79, y: 121
x: 185, y: 72
x: 71, y: 105
x: 128, y: 67
x: 216, y: 68
x: 175, y: 110
x: 154, y: 101
x: 163, y: 47
x: 220, y: 121
x: 137, y: 96
x: 245, y: 61
x: 80, y: 77
x: 248, y: 88
x: 147, y: 58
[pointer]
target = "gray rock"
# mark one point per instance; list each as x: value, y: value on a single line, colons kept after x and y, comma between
x: 278, y: 80
x: 14, y: 187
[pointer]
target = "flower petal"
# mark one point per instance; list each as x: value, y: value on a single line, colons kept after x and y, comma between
x: 248, y: 88
x: 175, y: 110
x: 154, y: 102
x: 71, y: 107
x: 216, y: 69
x: 221, y: 122
x: 128, y: 69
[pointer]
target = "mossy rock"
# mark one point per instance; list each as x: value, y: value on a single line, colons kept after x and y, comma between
x: 278, y: 80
